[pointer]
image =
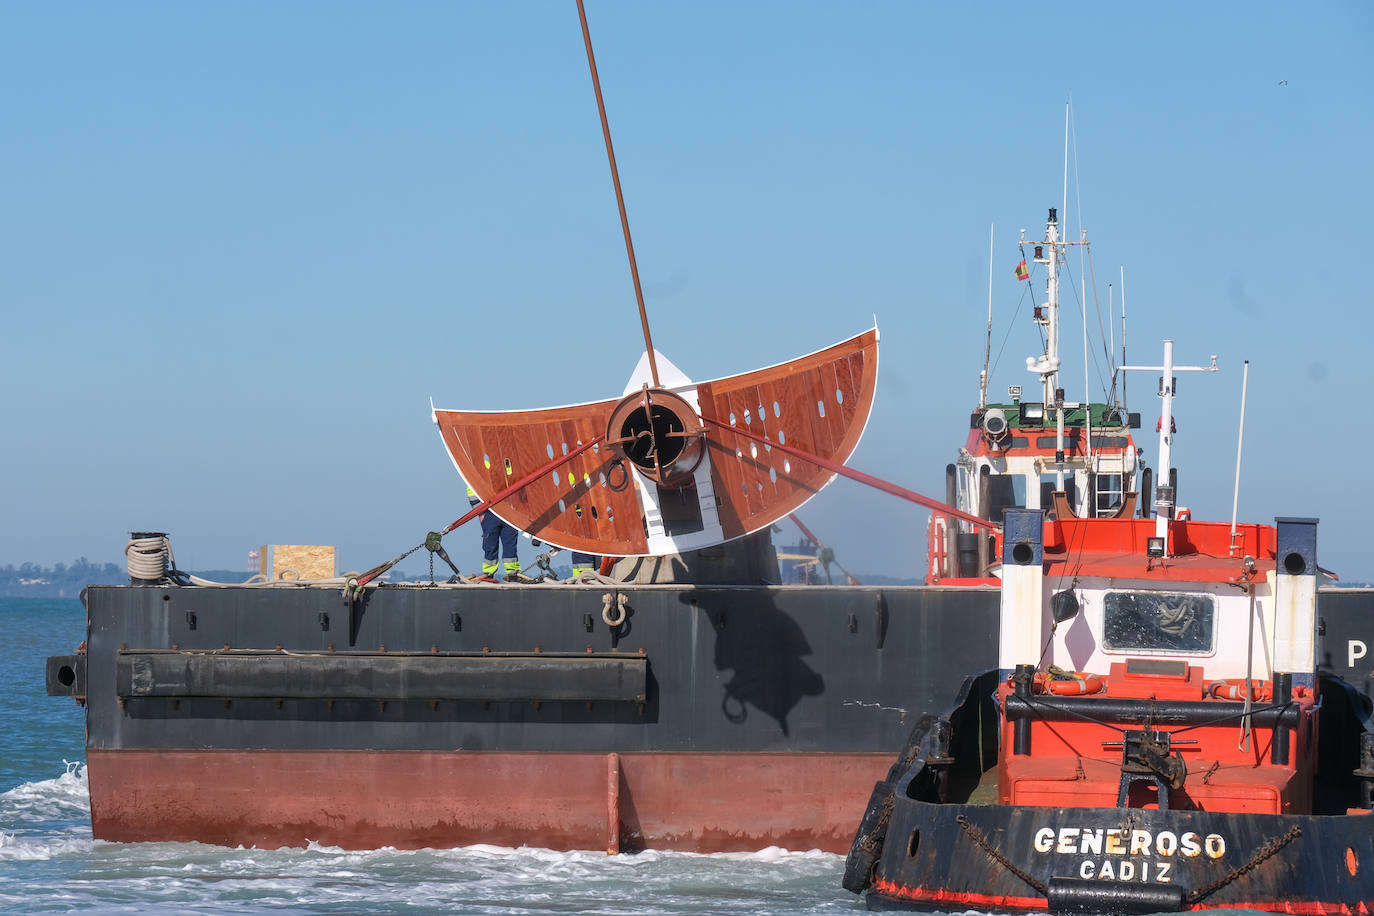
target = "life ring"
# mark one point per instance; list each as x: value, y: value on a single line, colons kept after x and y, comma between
x: 1078, y: 683
x: 1263, y: 691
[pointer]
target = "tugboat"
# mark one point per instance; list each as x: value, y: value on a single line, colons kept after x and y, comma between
x: 1021, y: 452
x: 1157, y: 736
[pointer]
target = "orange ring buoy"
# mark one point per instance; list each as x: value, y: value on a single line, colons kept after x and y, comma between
x: 1234, y: 689
x: 1081, y: 684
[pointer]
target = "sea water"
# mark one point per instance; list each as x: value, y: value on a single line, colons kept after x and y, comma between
x: 50, y: 863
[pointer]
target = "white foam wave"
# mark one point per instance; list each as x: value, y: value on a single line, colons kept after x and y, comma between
x: 64, y: 797
x: 36, y: 847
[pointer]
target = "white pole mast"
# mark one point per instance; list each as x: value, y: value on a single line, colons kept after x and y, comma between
x: 1164, y: 496
x: 1111, y: 329
x: 1240, y: 442
x: 1052, y: 393
x: 1087, y: 404
x: 987, y: 351
x: 1064, y: 206
x: 1124, y: 402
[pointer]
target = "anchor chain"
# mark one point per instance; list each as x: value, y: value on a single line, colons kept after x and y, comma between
x: 977, y: 836
x: 1265, y: 851
x: 873, y: 840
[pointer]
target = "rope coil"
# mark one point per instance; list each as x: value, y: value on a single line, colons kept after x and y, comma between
x: 148, y: 555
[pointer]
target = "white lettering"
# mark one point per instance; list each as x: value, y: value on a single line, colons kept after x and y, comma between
x: 1166, y: 844
x: 1135, y: 843
x: 1140, y: 843
x: 1191, y: 844
x: 1357, y: 651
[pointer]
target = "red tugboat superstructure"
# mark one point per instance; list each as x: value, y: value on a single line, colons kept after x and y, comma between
x: 1156, y: 736
x: 1021, y: 452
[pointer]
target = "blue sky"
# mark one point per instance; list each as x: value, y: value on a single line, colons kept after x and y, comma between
x: 242, y: 245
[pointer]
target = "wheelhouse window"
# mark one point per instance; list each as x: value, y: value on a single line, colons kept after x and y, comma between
x: 1005, y: 491
x: 1108, y: 491
x: 1158, y: 622
x: 1047, y: 484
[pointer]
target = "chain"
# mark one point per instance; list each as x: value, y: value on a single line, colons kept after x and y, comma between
x: 874, y: 840
x: 977, y: 836
x: 1265, y: 851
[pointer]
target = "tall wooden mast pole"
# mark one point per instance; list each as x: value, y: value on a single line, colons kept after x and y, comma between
x: 619, y: 197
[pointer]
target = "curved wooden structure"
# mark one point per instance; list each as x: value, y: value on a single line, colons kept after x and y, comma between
x: 601, y: 502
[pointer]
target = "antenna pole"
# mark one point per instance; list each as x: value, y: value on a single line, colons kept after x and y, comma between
x: 1087, y: 392
x: 1240, y: 442
x: 1111, y: 331
x: 619, y: 197
x: 987, y: 351
x: 1064, y: 208
x: 1124, y: 402
x: 1165, y: 498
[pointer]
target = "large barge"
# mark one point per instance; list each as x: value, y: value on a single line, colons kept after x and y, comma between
x: 714, y: 717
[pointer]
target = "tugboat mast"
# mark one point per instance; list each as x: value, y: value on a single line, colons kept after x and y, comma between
x: 1047, y: 366
x: 1165, y: 497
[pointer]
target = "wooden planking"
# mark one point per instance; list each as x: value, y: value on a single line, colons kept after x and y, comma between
x: 755, y: 485
x: 525, y: 438
x: 744, y: 471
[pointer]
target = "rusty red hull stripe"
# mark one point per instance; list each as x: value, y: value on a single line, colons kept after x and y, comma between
x: 707, y: 802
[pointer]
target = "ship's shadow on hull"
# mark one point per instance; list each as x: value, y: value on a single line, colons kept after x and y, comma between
x: 765, y: 652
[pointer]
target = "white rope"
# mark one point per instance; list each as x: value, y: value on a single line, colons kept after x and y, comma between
x: 147, y: 557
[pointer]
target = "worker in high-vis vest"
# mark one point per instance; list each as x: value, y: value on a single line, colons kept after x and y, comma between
x: 498, y: 538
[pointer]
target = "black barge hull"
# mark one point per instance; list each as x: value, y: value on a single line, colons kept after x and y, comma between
x: 713, y: 718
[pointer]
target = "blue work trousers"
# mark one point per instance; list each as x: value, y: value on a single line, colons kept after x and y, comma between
x: 497, y: 538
